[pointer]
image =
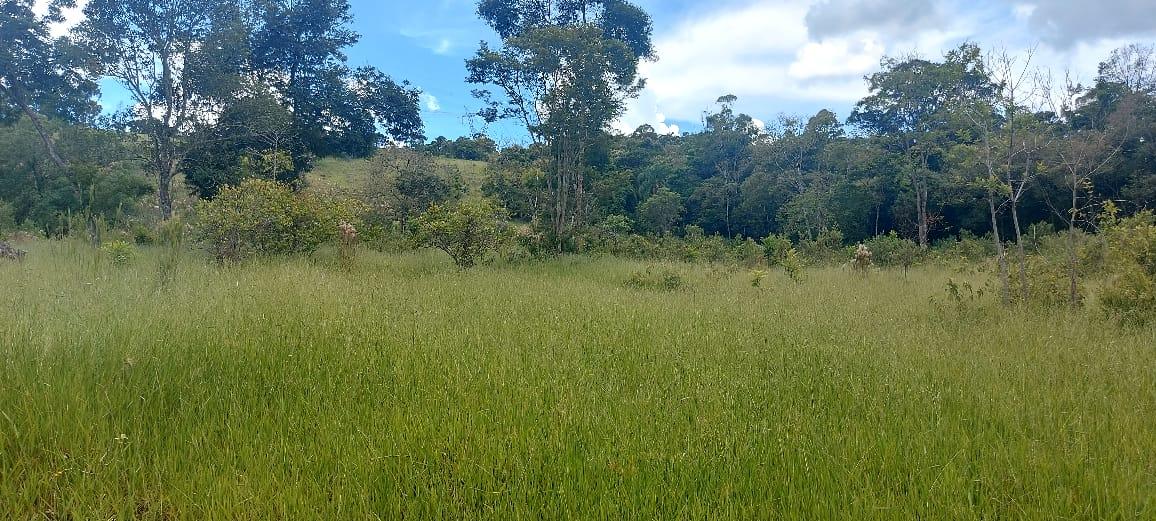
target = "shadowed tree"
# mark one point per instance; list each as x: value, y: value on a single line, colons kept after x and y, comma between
x: 299, y: 53
x: 41, y: 76
x: 177, y: 59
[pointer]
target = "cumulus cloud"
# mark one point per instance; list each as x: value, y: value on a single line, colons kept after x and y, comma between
x: 431, y: 102
x: 798, y: 56
x: 839, y: 17
x: 837, y: 57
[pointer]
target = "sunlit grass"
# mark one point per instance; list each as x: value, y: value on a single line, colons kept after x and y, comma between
x: 405, y: 389
x: 348, y: 174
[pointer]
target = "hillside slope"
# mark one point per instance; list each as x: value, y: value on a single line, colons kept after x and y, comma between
x: 340, y: 173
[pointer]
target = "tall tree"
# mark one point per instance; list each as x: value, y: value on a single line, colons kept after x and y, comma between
x: 722, y: 155
x: 1008, y: 140
x: 908, y: 107
x: 566, y: 69
x: 176, y: 59
x: 41, y: 76
x: 299, y: 54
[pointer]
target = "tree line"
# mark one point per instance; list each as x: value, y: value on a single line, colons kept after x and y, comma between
x: 971, y: 142
x: 219, y: 92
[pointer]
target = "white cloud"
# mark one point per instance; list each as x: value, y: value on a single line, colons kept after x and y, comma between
x: 72, y: 16
x: 431, y: 102
x: 801, y: 55
x: 1023, y: 12
x: 443, y: 41
x: 642, y: 114
x: 836, y: 57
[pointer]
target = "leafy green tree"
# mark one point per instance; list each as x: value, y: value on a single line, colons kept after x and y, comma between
x: 408, y: 182
x: 252, y: 138
x: 41, y: 76
x: 176, y: 59
x: 566, y: 68
x: 298, y: 51
x: 661, y: 211
x: 721, y: 155
x: 908, y: 110
x: 102, y: 180
x: 518, y: 183
x: 467, y: 231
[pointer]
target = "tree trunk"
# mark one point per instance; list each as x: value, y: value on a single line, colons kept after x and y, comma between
x: 165, y: 195
x: 921, y: 210
x: 1073, y: 261
x: 49, y: 143
x: 167, y: 166
x: 1023, y: 259
x: 1005, y: 286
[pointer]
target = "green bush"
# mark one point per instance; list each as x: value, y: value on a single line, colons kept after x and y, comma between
x: 968, y: 247
x: 1130, y: 293
x: 467, y: 230
x: 142, y: 234
x: 1049, y: 283
x: 894, y: 251
x: 119, y: 252
x: 794, y: 265
x: 656, y: 278
x: 7, y: 219
x: 775, y: 248
x: 748, y: 253
x: 259, y: 217
x: 698, y: 247
x: 617, y: 225
x: 826, y: 248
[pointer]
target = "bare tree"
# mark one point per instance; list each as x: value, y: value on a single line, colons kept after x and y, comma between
x: 1078, y: 157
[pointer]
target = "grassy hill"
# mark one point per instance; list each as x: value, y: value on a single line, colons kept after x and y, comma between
x: 347, y: 174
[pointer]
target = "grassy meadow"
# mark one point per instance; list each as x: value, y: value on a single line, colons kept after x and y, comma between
x: 347, y: 174
x: 401, y: 388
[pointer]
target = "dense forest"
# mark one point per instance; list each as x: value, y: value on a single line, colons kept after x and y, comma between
x: 975, y: 143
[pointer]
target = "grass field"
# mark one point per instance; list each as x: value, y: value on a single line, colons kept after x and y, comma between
x: 403, y: 389
x: 346, y: 174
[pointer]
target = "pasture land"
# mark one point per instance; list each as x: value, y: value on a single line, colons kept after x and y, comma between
x: 401, y: 388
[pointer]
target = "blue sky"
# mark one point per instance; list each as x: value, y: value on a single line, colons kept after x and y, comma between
x: 778, y: 56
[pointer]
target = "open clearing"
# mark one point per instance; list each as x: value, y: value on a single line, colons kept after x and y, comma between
x: 404, y: 389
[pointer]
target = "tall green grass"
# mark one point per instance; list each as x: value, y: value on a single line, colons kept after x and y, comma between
x: 404, y: 389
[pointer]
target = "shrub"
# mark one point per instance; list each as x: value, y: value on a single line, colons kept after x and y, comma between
x: 775, y: 248
x: 657, y: 278
x: 748, y: 253
x: 617, y: 225
x: 793, y: 264
x: 467, y: 230
x: 259, y: 217
x: 142, y: 234
x: 1130, y: 293
x: 7, y: 219
x: 1048, y: 283
x: 894, y: 251
x: 119, y: 252
x: 827, y: 247
x: 968, y: 247
x: 702, y: 248
x: 1037, y: 233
